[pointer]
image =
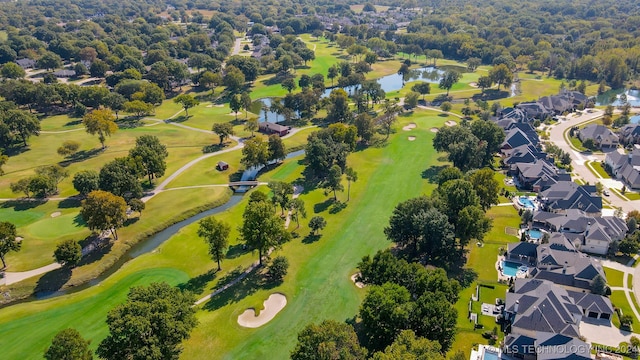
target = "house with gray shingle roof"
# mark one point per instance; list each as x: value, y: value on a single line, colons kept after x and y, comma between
x: 535, y: 110
x: 522, y: 154
x: 546, y: 346
x: 567, y: 195
x: 538, y: 175
x: 629, y: 134
x: 26, y: 63
x: 625, y: 167
x: 601, y: 135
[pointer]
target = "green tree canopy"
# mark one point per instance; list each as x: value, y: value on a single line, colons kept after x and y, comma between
x: 216, y: 234
x: 68, y: 344
x: 8, y: 241
x: 261, y: 229
x: 102, y: 210
x: 68, y: 253
x: 100, y: 122
x: 328, y: 340
x: 151, y: 154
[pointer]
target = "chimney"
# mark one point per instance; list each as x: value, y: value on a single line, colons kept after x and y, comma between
x: 564, y: 268
x: 515, y: 307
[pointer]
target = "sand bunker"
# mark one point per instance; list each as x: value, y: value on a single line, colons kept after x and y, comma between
x: 56, y: 214
x: 473, y: 84
x: 357, y: 283
x: 409, y: 127
x: 434, y: 130
x: 219, y: 105
x: 272, y: 307
x: 451, y: 123
x: 209, y: 106
x: 411, y: 138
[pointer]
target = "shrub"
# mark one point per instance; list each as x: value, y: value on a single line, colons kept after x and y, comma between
x: 278, y: 268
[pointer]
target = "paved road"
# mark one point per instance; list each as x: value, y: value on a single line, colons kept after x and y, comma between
x: 579, y: 159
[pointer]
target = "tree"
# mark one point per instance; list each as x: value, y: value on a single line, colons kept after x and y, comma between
x: 423, y: 88
x: 3, y: 160
x: 21, y: 186
x: 68, y: 148
x: 484, y: 82
x: 151, y: 324
x: 473, y: 63
x: 446, y: 106
x: 365, y: 126
x: 316, y: 224
x: 333, y: 182
x: 120, y: 177
x: 22, y: 123
x: 328, y: 340
x: 589, y: 144
x: 338, y: 108
x: 255, y: 152
x: 100, y: 122
x: 599, y: 286
x: 261, y: 229
x: 235, y: 104
x: 86, y: 181
x: 12, y: 70
x: 187, y: 101
x: 281, y: 193
x: 409, y: 347
x: 151, y: 154
x: 501, y: 75
x: 277, y: 150
x: 136, y: 205
x: 629, y: 246
x: 8, y: 240
x: 297, y: 210
x: 223, y: 130
x: 333, y: 73
x: 449, y: 173
x: 102, y: 210
x: 251, y: 125
x: 448, y: 80
x: 246, y: 105
x: 435, y: 318
x: 68, y: 344
x: 289, y: 84
x: 138, y: 107
x: 486, y: 186
x: 385, y: 311
x: 278, y: 269
x: 351, y: 175
x: 464, y: 149
x: 233, y: 79
x: 49, y: 61
x: 55, y: 173
x: 68, y: 253
x: 216, y: 234
x: 411, y: 100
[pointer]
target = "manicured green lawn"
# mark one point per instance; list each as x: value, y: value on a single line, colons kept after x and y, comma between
x: 630, y: 282
x: 60, y: 123
x: 599, y: 170
x: 619, y: 300
x: 614, y: 277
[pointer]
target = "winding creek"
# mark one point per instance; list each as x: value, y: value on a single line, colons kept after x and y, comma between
x: 154, y: 241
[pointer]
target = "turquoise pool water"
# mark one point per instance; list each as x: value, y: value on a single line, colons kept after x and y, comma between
x: 490, y: 356
x: 510, y: 268
x: 534, y: 234
x: 524, y: 201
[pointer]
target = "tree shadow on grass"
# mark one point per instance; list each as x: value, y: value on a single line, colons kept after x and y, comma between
x: 80, y: 156
x: 491, y: 94
x: 23, y: 205
x: 245, y: 287
x: 337, y: 207
x: 444, y: 115
x: 99, y: 247
x: 68, y: 203
x: 431, y: 174
x: 197, y: 284
x: 52, y: 281
x: 178, y: 119
x: 236, y: 251
x: 311, y: 238
x: 320, y: 207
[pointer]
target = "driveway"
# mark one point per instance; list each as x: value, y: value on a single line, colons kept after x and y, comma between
x: 602, y: 332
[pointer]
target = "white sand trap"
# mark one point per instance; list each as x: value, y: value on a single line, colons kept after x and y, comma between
x: 473, y: 84
x: 434, y: 130
x: 56, y: 214
x: 210, y: 105
x: 219, y: 105
x: 451, y: 123
x: 272, y: 307
x: 409, y: 127
x: 235, y: 113
x: 411, y: 138
x: 357, y: 283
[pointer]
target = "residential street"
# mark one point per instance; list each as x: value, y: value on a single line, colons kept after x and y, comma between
x: 579, y: 159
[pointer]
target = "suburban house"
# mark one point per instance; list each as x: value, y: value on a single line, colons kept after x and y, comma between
x: 538, y: 175
x: 587, y: 233
x: 540, y: 312
x: 558, y: 261
x: 566, y: 195
x: 601, y: 135
x: 273, y: 128
x: 535, y: 110
x: 629, y: 134
x: 522, y: 154
x: 26, y: 63
x: 548, y: 106
x: 515, y: 138
x: 546, y: 346
x: 625, y: 167
x: 64, y: 73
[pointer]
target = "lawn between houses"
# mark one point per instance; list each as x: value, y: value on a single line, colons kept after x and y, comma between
x: 317, y: 286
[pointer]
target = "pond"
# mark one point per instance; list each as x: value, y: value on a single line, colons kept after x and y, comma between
x: 612, y: 97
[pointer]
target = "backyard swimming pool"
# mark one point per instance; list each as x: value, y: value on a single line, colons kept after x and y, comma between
x: 534, y: 234
x: 524, y: 201
x: 510, y: 268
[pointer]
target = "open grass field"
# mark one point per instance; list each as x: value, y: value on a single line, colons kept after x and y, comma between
x: 182, y: 145
x: 319, y: 271
x: 619, y: 300
x: 614, y: 277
